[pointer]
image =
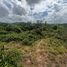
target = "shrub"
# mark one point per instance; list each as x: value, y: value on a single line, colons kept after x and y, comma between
x: 9, y: 58
x: 29, y: 39
x: 54, y: 27
x: 13, y: 28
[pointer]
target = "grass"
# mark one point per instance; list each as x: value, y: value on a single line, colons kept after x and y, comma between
x: 44, y: 50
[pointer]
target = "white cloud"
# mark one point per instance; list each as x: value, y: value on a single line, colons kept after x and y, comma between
x: 16, y: 10
x: 3, y: 11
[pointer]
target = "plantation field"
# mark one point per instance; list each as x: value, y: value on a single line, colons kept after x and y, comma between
x: 33, y: 45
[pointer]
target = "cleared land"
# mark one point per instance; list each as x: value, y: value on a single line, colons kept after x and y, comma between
x: 33, y: 45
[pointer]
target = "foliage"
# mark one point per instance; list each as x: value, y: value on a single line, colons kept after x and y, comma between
x: 27, y: 33
x: 9, y: 58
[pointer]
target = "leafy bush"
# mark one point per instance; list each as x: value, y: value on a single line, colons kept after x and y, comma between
x: 55, y: 27
x: 13, y: 28
x: 28, y: 40
x: 9, y: 58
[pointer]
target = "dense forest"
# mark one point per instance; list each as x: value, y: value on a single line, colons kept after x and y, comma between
x: 19, y: 44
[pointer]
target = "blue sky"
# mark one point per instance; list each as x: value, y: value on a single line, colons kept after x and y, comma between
x: 32, y: 10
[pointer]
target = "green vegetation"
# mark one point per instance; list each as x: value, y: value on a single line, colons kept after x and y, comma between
x: 28, y: 36
x: 9, y: 58
x: 27, y: 33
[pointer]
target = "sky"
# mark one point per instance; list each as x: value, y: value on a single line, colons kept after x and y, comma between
x: 52, y: 11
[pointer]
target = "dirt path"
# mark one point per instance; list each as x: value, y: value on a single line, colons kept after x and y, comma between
x: 38, y: 56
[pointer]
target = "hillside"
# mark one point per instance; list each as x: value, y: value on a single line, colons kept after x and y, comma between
x: 33, y: 45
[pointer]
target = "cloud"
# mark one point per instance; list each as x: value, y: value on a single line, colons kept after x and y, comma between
x: 40, y: 15
x: 58, y: 16
x: 3, y: 11
x: 28, y: 10
x: 65, y: 1
x: 18, y: 10
x: 33, y: 2
x: 7, y: 4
